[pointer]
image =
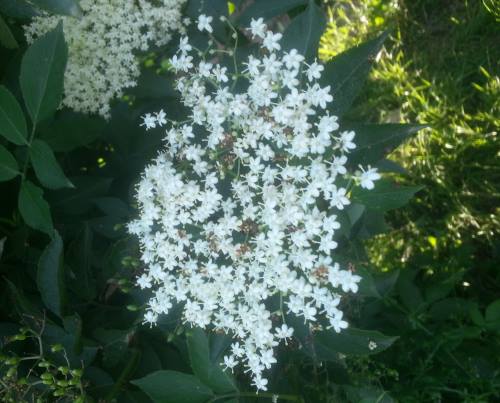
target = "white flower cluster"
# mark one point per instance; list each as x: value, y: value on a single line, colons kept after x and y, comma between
x: 102, y: 44
x: 240, y: 207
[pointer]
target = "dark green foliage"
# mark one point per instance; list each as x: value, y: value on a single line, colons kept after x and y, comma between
x: 50, y: 276
x: 46, y: 168
x: 64, y: 7
x: 6, y: 37
x: 347, y: 72
x: 207, y: 370
x: 67, y: 266
x: 267, y: 9
x: 42, y: 71
x: 34, y: 209
x: 304, y: 32
x: 12, y: 122
x: 174, y: 387
x: 385, y: 196
x: 8, y: 165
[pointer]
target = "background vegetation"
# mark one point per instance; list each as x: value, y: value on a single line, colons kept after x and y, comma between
x: 70, y: 317
x: 440, y: 67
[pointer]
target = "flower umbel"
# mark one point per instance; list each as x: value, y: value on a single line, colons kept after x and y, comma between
x: 102, y: 46
x: 251, y: 213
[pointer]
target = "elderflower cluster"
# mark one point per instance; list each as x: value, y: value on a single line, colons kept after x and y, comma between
x: 102, y: 46
x: 239, y: 209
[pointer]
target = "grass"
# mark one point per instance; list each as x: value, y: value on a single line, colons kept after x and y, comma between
x: 440, y: 67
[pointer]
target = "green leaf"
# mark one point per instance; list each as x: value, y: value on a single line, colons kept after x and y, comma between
x: 373, y: 224
x: 354, y: 212
x: 79, y: 259
x: 42, y: 74
x: 367, y: 394
x: 347, y: 72
x: 2, y: 244
x: 173, y: 387
x: 77, y: 354
x: 374, y: 141
x: 8, y: 165
x: 385, y: 196
x: 304, y: 32
x: 62, y: 7
x: 23, y: 306
x: 50, y: 276
x: 492, y: 315
x: 46, y: 167
x: 12, y: 122
x: 34, y: 209
x: 267, y: 9
x: 389, y: 166
x: 385, y: 282
x: 409, y: 293
x: 351, y: 341
x: 79, y: 200
x: 210, y: 373
x: 449, y: 309
x: 6, y: 37
x: 367, y: 286
x: 475, y: 314
x: 18, y: 9
x: 71, y: 130
x: 112, y: 206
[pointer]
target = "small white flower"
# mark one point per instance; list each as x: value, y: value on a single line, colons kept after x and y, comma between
x: 346, y: 143
x: 338, y: 165
x: 314, y: 71
x: 271, y: 41
x: 204, y: 69
x: 150, y: 318
x: 230, y: 362
x: 149, y: 121
x: 184, y: 45
x: 260, y: 383
x: 372, y: 345
x: 321, y: 96
x: 368, y: 177
x: 204, y: 23
x: 293, y: 59
x: 338, y: 324
x: 284, y: 332
x: 160, y: 118
x: 258, y: 28
x: 220, y: 74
